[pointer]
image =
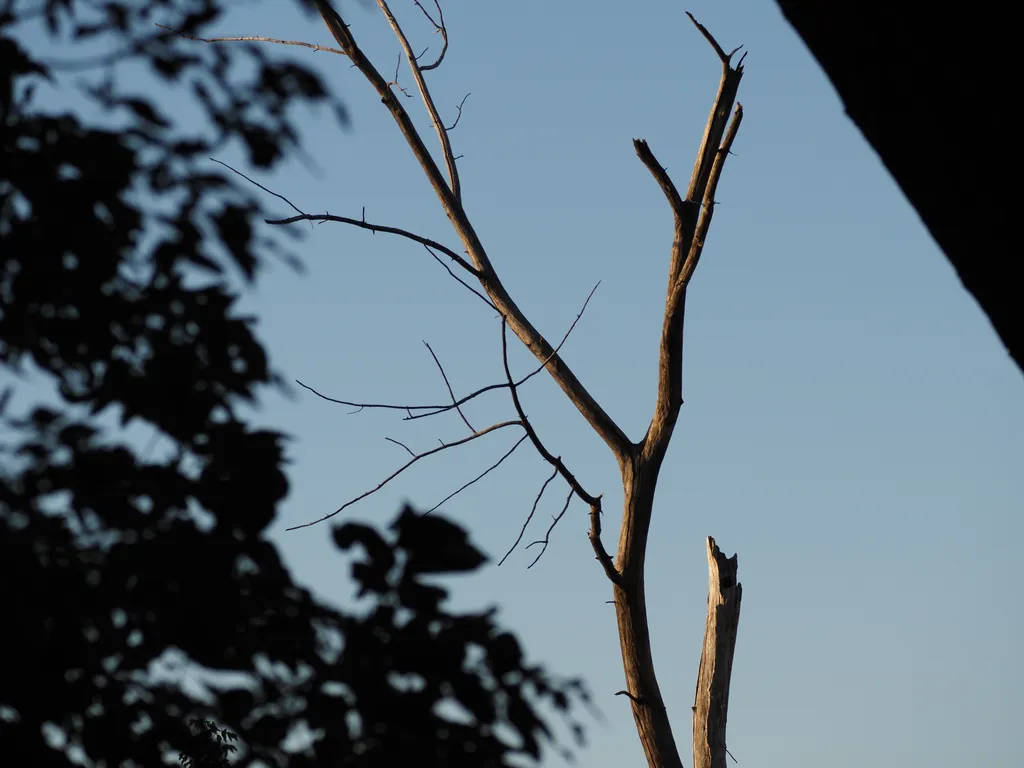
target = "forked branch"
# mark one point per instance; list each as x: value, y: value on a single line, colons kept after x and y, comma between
x: 594, y: 502
x: 538, y: 345
x: 415, y: 458
x: 691, y: 219
x: 428, y: 101
x: 423, y: 411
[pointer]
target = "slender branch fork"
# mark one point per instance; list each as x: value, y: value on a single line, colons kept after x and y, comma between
x: 639, y: 462
x: 692, y: 215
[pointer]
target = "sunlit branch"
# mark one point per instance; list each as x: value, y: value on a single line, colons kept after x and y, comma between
x: 255, y: 39
x: 428, y: 100
x: 439, y: 28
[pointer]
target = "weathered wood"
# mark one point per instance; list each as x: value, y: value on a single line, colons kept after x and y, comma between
x: 711, y: 702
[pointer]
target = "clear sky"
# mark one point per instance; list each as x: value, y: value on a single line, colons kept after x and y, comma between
x: 851, y: 425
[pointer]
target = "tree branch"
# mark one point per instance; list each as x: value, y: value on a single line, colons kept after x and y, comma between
x: 459, y: 116
x: 547, y: 535
x: 727, y: 88
x: 434, y: 410
x: 253, y: 39
x: 400, y: 470
x: 708, y: 208
x: 691, y: 218
x: 439, y: 28
x: 428, y: 101
x: 594, y: 502
x: 444, y: 376
x: 363, y: 224
x: 529, y: 517
x: 595, y: 415
x: 554, y: 461
x: 460, y: 281
x: 479, y: 477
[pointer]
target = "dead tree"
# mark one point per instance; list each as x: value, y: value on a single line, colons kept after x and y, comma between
x: 639, y: 462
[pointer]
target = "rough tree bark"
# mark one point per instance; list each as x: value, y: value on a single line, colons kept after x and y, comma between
x: 711, y: 701
x: 639, y: 462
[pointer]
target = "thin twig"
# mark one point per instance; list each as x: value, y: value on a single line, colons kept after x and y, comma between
x: 400, y: 470
x: 554, y: 461
x: 448, y: 384
x: 722, y: 55
x: 529, y: 517
x: 459, y: 280
x: 547, y: 535
x: 439, y: 28
x: 257, y: 184
x: 381, y: 406
x: 428, y: 101
x: 394, y: 82
x: 434, y: 410
x: 255, y: 39
x: 398, y: 442
x: 594, y: 502
x: 479, y: 477
x: 363, y: 224
x: 459, y: 116
x: 525, y: 378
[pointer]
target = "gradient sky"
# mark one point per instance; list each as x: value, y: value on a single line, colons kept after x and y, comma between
x: 851, y: 422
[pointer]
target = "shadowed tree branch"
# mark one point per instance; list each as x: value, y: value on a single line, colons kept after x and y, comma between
x: 415, y: 458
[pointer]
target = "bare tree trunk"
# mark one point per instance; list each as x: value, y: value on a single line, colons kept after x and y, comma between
x: 711, y: 702
x: 649, y: 712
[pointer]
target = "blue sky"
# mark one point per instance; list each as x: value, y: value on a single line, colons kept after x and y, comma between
x: 851, y: 421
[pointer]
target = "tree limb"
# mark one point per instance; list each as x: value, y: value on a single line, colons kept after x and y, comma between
x: 547, y: 535
x: 428, y: 100
x: 595, y: 415
x: 253, y: 39
x: 441, y: 29
x: 400, y: 470
x: 479, y: 477
x: 594, y: 502
x: 434, y: 410
x: 444, y: 376
x: 691, y: 218
x: 363, y: 224
x: 529, y: 517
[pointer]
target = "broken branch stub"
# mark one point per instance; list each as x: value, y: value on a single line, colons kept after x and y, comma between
x: 711, y: 702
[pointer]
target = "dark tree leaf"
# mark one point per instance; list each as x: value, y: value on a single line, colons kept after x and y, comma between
x: 436, y: 545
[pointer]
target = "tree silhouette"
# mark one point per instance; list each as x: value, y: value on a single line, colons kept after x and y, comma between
x: 139, y: 592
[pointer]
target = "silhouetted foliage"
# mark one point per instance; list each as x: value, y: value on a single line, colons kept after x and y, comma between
x: 211, y: 745
x: 124, y: 568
